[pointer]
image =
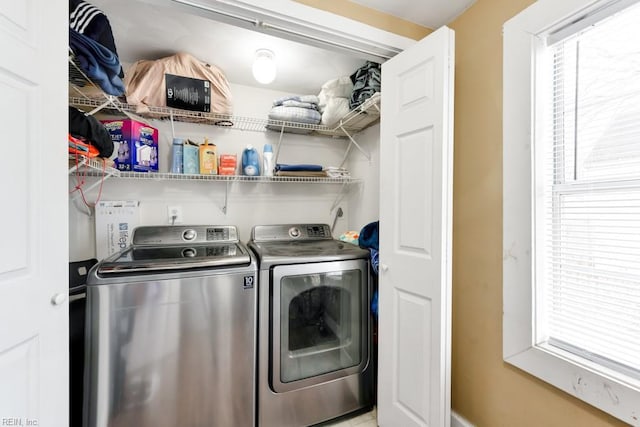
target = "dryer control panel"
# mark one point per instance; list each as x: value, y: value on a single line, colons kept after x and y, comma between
x: 290, y: 232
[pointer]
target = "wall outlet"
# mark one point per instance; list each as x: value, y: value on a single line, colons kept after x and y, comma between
x: 174, y: 214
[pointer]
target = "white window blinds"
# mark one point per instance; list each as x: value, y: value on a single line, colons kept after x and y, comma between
x: 588, y: 252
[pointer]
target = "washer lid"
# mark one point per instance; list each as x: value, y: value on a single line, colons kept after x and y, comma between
x: 161, y: 258
x: 160, y: 248
x: 275, y: 253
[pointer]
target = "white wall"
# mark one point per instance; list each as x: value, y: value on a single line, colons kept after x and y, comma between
x: 364, y: 200
x: 249, y: 203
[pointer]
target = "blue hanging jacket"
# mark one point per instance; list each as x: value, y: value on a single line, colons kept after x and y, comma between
x: 369, y: 236
x: 374, y: 305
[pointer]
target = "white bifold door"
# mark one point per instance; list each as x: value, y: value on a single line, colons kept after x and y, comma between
x: 34, y: 178
x: 416, y: 162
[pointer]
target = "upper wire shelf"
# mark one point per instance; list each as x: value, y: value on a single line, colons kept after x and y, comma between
x: 355, y: 121
x: 84, y: 94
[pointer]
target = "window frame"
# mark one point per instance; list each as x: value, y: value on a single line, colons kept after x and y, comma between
x: 523, y: 91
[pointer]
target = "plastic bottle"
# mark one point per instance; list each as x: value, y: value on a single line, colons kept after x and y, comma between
x: 176, y: 155
x: 208, y: 158
x: 267, y: 160
x: 190, y: 161
x: 250, y: 161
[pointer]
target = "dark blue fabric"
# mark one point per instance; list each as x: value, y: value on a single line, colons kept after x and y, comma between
x: 368, y: 239
x: 88, y: 20
x: 374, y: 260
x: 374, y: 305
x: 369, y: 236
x: 298, y: 168
x: 99, y: 63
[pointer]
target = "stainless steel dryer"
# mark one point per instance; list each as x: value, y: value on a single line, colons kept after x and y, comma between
x: 171, y: 331
x: 314, y: 326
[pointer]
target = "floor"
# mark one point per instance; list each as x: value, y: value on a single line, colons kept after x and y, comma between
x: 368, y: 419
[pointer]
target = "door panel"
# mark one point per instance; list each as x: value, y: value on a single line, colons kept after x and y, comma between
x: 18, y: 103
x: 414, y: 233
x: 412, y: 377
x: 17, y: 18
x: 14, y: 363
x: 33, y: 256
x: 416, y: 151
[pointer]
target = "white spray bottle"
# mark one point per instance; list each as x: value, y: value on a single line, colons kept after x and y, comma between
x: 267, y: 160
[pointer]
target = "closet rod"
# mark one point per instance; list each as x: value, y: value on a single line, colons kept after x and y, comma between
x: 219, y: 12
x: 276, y: 28
x: 279, y: 29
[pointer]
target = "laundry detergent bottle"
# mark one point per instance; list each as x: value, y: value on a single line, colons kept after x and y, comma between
x: 177, y: 149
x: 250, y: 161
x: 267, y: 160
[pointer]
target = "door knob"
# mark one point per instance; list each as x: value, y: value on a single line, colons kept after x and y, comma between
x: 58, y: 299
x: 384, y: 267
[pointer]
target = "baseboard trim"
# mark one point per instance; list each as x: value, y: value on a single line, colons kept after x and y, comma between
x: 458, y: 421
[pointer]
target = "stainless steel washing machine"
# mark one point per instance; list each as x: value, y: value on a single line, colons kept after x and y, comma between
x: 171, y: 331
x: 314, y: 328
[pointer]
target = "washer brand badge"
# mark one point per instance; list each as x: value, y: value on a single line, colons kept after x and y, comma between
x: 124, y: 234
x: 248, y: 282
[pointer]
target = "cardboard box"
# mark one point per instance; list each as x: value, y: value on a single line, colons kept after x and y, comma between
x: 228, y: 164
x: 135, y: 144
x: 115, y: 221
x: 188, y: 93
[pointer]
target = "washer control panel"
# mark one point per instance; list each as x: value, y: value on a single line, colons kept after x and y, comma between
x: 294, y: 232
x: 223, y: 234
x: 189, y: 234
x: 178, y: 234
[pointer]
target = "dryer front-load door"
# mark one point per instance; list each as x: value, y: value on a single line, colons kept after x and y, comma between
x: 319, y: 323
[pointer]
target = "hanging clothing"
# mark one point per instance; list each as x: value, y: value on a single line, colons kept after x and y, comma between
x: 369, y: 239
x: 91, y: 41
x: 91, y: 22
x: 99, y: 64
x: 91, y: 130
x: 366, y: 82
x: 369, y: 236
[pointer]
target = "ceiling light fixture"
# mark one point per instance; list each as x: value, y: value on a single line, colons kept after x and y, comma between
x: 264, y: 66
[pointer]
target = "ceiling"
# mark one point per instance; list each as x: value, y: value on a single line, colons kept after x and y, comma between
x: 428, y: 13
x: 143, y: 30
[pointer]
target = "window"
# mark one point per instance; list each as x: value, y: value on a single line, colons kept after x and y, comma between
x: 572, y: 199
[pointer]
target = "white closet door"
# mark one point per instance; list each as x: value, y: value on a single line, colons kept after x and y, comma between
x: 416, y: 152
x: 34, y: 252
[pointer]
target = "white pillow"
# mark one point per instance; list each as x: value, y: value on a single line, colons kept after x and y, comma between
x: 335, y: 109
x: 340, y: 87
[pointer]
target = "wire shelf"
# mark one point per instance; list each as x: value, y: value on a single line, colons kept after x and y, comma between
x: 95, y: 168
x: 83, y: 165
x: 160, y: 176
x: 366, y: 115
x: 84, y: 94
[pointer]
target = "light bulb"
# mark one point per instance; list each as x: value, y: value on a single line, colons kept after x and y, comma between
x: 264, y: 66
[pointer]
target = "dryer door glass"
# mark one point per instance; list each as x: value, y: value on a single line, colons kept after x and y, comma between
x: 321, y: 323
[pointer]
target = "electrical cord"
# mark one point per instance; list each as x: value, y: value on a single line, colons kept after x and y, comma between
x: 81, y: 180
